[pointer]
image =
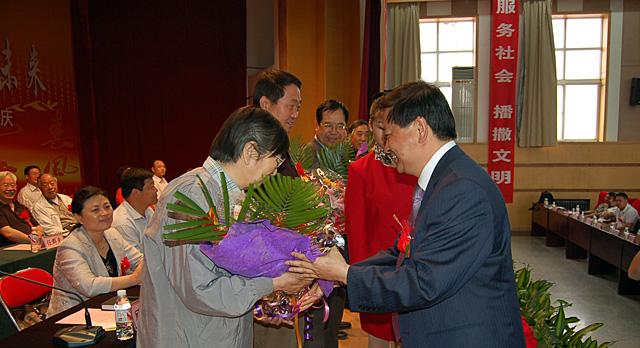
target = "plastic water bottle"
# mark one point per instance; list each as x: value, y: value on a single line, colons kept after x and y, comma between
x: 124, y: 319
x: 578, y: 208
x: 546, y: 202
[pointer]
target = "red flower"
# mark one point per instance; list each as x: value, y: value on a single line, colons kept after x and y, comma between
x: 405, y: 237
x: 26, y: 217
x: 299, y: 168
x: 124, y: 265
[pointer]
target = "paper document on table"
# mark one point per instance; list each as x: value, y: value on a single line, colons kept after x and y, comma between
x: 106, y: 319
x: 19, y: 247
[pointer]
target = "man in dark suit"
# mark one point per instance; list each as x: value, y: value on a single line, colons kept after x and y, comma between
x: 454, y: 286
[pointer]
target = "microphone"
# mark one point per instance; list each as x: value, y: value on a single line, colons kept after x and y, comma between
x: 73, y: 336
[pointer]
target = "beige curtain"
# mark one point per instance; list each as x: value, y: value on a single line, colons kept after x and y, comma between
x: 403, y: 44
x: 538, y: 123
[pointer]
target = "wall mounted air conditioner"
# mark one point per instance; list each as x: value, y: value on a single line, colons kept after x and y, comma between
x: 463, y: 102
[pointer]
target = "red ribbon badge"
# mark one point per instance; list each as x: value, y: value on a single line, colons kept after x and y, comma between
x: 25, y: 216
x: 404, y: 242
x: 124, y: 265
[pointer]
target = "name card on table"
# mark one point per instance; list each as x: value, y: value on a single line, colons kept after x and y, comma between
x: 135, y: 312
x: 52, y: 241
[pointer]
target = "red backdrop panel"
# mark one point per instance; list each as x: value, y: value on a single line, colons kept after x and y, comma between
x: 39, y: 117
x: 155, y: 81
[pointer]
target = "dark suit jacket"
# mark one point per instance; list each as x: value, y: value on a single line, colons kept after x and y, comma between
x: 457, y: 288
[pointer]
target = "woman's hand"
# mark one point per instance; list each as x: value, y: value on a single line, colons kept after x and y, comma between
x: 312, y: 296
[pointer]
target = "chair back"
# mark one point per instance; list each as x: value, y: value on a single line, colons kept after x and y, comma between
x: 636, y: 204
x: 16, y: 293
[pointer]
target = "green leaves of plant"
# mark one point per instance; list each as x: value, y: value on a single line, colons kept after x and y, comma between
x: 551, y: 327
x: 337, y: 158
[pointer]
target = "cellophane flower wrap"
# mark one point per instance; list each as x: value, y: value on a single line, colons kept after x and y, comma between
x: 279, y: 217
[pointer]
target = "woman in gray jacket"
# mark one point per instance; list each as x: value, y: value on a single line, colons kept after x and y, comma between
x: 90, y: 260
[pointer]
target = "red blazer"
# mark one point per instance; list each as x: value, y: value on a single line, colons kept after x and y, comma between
x: 374, y: 194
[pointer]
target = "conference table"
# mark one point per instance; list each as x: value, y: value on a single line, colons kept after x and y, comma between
x: 41, y: 334
x: 12, y: 261
x: 606, y: 250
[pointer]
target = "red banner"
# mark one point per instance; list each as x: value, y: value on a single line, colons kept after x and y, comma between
x: 38, y: 107
x: 502, y: 94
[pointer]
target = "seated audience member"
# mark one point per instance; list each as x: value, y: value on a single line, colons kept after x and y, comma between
x: 16, y: 223
x: 359, y: 132
x: 131, y: 217
x: 609, y: 203
x: 159, y: 170
x: 52, y: 210
x: 188, y: 300
x: 624, y: 213
x: 30, y: 193
x: 91, y: 260
x: 331, y: 126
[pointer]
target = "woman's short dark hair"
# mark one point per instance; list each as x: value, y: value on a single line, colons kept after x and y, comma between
x: 357, y: 123
x: 82, y: 195
x: 331, y: 105
x: 133, y: 178
x: 245, y: 125
x: 271, y: 84
x: 421, y: 99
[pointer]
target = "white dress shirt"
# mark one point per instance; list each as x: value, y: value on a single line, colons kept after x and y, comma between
x: 29, y: 195
x: 130, y: 223
x: 48, y: 215
x: 160, y: 184
x: 428, y: 169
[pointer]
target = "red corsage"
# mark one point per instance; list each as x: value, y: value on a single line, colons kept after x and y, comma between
x: 69, y: 207
x: 404, y: 242
x: 299, y: 168
x: 124, y: 265
x: 26, y: 217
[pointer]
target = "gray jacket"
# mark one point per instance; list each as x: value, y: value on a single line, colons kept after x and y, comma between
x: 187, y: 301
x: 78, y: 267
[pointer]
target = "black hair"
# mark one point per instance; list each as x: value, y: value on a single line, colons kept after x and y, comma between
x: 357, y: 123
x: 82, y: 195
x: 611, y: 194
x: 133, y: 178
x: 28, y: 168
x: 271, y: 84
x: 623, y: 195
x: 245, y: 125
x: 121, y: 171
x: 421, y: 99
x: 331, y: 105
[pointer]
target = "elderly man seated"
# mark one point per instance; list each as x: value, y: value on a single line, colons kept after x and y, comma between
x: 15, y: 221
x: 52, y: 209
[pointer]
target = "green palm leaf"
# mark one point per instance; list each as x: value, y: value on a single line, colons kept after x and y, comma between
x: 337, y: 158
x: 290, y: 203
x: 300, y: 152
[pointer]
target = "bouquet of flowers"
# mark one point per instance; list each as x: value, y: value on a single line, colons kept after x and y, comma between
x: 257, y: 236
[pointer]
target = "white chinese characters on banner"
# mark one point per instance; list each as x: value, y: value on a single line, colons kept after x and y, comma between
x: 504, y: 52
x: 504, y: 30
x: 503, y: 76
x: 502, y: 111
x: 501, y: 155
x: 7, y: 80
x: 501, y: 134
x: 34, y: 70
x: 501, y: 176
x: 506, y: 7
x: 6, y: 118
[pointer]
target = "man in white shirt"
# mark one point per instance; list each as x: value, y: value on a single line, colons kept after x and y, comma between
x: 626, y: 215
x: 30, y: 193
x: 159, y: 170
x: 131, y: 217
x: 52, y: 208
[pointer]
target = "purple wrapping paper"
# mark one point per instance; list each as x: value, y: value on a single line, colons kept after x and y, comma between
x: 260, y: 249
